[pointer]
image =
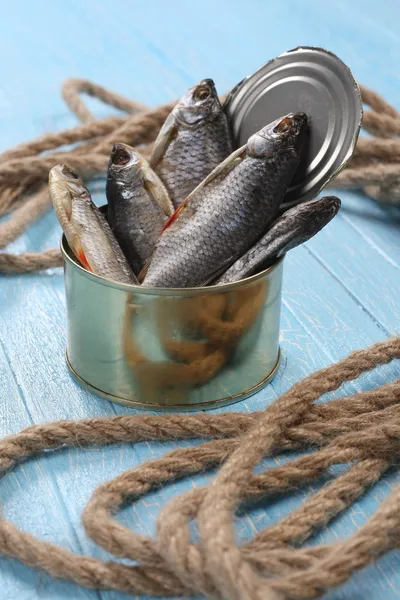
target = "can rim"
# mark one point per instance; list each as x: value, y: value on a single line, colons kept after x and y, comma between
x: 230, y: 94
x: 138, y: 289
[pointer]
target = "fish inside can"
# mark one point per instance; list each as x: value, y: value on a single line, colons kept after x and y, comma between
x: 174, y: 288
x: 165, y: 348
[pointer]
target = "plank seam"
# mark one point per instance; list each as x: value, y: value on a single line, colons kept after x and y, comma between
x: 370, y: 243
x: 373, y: 318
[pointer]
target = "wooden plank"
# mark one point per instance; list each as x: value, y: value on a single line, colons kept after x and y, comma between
x: 325, y: 312
x: 370, y: 273
x: 30, y: 497
x: 304, y: 353
x: 310, y: 344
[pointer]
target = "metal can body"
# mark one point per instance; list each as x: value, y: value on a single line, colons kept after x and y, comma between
x: 167, y: 349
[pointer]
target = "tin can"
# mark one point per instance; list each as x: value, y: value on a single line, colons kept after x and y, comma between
x: 172, y: 349
x: 310, y: 80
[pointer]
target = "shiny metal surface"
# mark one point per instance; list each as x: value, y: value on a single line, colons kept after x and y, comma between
x: 310, y: 80
x: 166, y: 349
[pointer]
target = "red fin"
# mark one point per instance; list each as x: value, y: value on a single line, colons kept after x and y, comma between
x: 174, y: 215
x: 79, y: 252
x: 82, y: 259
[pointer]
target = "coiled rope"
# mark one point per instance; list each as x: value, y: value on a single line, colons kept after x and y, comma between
x: 361, y: 431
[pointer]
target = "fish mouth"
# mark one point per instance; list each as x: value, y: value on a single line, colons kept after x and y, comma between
x: 289, y: 131
x: 209, y: 82
x: 68, y: 184
x: 303, y: 130
x: 295, y: 127
x: 204, y: 91
x: 300, y: 116
x: 62, y: 172
x: 291, y: 121
x: 67, y: 172
x: 199, y: 104
x: 121, y: 155
x: 61, y: 177
x: 301, y: 119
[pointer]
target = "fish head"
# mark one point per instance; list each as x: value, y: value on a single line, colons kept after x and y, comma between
x: 284, y: 133
x: 65, y: 188
x: 198, y: 105
x: 125, y: 165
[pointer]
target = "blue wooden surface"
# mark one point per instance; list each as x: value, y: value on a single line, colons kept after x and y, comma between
x: 341, y: 290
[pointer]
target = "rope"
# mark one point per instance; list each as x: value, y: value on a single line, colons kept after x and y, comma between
x: 218, y: 322
x: 375, y: 167
x: 361, y: 431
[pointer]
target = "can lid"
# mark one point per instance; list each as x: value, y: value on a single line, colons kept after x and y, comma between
x: 310, y: 80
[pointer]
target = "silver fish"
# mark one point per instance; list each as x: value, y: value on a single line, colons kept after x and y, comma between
x: 138, y: 204
x: 230, y: 210
x: 293, y: 228
x: 87, y: 232
x: 194, y: 139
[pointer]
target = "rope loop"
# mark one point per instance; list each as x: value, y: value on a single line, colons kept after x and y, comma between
x: 361, y: 431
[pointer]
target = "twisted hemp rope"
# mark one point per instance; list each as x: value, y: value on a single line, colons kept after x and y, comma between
x: 375, y: 167
x: 220, y: 323
x: 361, y: 431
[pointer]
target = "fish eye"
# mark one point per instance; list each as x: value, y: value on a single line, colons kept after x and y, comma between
x: 202, y: 93
x: 284, y: 125
x: 121, y: 157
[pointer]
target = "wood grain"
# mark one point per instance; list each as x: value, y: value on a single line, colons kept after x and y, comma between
x: 341, y: 290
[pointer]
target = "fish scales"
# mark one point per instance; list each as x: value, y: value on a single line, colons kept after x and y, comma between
x: 194, y: 139
x: 137, y: 200
x: 191, y: 156
x: 224, y: 217
x: 293, y: 228
x: 85, y: 227
x: 136, y: 231
x: 95, y: 240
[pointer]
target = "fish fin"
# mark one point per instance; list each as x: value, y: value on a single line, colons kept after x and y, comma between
x: 224, y: 167
x: 80, y: 253
x: 190, y: 211
x: 166, y: 135
x: 144, y: 270
x: 84, y: 260
x: 157, y: 189
x: 174, y: 216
